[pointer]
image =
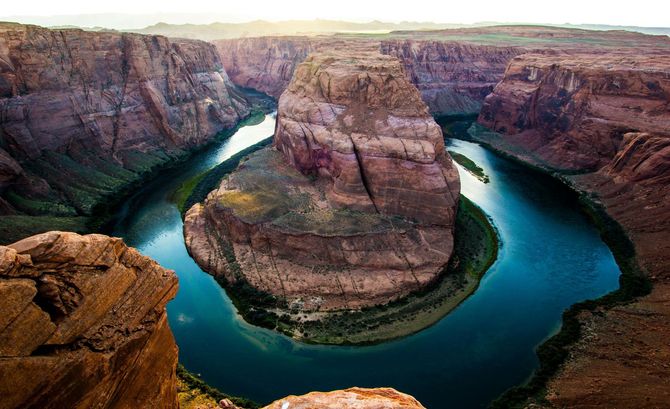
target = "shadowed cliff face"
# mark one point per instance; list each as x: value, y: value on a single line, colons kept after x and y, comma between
x: 606, y: 118
x: 83, y: 324
x: 453, y: 78
x: 356, y: 202
x: 83, y: 114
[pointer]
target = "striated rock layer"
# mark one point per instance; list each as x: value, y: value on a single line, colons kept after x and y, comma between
x: 454, y: 69
x: 83, y: 324
x: 352, y: 398
x: 353, y: 207
x: 606, y: 118
x: 83, y: 114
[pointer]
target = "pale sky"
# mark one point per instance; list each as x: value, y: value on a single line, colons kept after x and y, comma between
x: 650, y: 13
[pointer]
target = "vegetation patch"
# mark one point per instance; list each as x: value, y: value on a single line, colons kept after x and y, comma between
x: 470, y: 166
x: 194, y: 393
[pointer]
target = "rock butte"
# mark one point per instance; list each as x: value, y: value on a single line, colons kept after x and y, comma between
x: 86, y: 113
x: 355, y: 204
x: 83, y: 324
x: 607, y: 118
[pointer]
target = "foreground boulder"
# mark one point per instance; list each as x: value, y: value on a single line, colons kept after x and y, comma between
x: 352, y: 398
x: 355, y: 204
x: 83, y: 325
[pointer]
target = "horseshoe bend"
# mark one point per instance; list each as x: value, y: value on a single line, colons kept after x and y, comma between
x: 334, y: 214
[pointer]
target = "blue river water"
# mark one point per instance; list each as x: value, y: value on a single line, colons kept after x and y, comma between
x: 551, y: 257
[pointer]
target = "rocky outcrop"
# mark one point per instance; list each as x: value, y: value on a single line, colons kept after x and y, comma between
x: 83, y: 324
x: 607, y: 119
x: 352, y: 398
x: 573, y: 110
x: 354, y: 206
x: 83, y: 114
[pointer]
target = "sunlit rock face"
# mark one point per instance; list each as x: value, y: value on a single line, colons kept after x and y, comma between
x: 352, y: 398
x: 353, y: 206
x: 360, y: 123
x: 83, y: 325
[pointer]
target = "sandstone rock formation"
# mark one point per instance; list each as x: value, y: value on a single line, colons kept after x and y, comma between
x: 354, y: 207
x: 83, y: 324
x: 573, y: 110
x: 454, y: 78
x: 85, y: 113
x: 352, y: 398
x: 454, y: 69
x: 606, y: 118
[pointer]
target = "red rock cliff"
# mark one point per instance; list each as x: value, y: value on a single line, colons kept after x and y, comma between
x: 573, y: 110
x: 453, y: 78
x: 608, y: 118
x: 83, y: 325
x: 84, y: 113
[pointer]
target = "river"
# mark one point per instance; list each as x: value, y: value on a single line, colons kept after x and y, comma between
x: 551, y: 257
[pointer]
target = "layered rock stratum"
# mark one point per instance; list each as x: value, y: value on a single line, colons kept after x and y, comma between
x: 454, y: 69
x: 84, y: 114
x: 83, y: 325
x: 352, y: 398
x: 355, y: 204
x: 604, y: 122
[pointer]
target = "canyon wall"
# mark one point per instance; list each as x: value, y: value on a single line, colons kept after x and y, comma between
x: 83, y: 114
x: 604, y: 122
x: 453, y: 78
x: 83, y: 325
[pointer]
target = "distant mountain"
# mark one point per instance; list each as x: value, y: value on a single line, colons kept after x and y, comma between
x: 256, y: 28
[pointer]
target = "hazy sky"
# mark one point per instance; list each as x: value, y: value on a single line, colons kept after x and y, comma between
x: 615, y: 12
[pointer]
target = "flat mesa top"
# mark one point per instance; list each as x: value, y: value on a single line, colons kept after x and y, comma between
x: 265, y: 189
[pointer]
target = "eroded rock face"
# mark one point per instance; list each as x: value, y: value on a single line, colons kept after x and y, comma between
x: 361, y: 124
x: 352, y: 398
x: 607, y: 118
x: 354, y: 206
x: 573, y: 110
x: 84, y: 113
x: 83, y: 324
x: 453, y: 78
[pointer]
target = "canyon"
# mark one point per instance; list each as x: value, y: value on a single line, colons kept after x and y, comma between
x: 354, y: 206
x: 85, y: 115
x: 602, y: 122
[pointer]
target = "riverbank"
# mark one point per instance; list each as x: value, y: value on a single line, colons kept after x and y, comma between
x: 194, y: 393
x: 475, y: 250
x: 633, y: 282
x: 470, y: 166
